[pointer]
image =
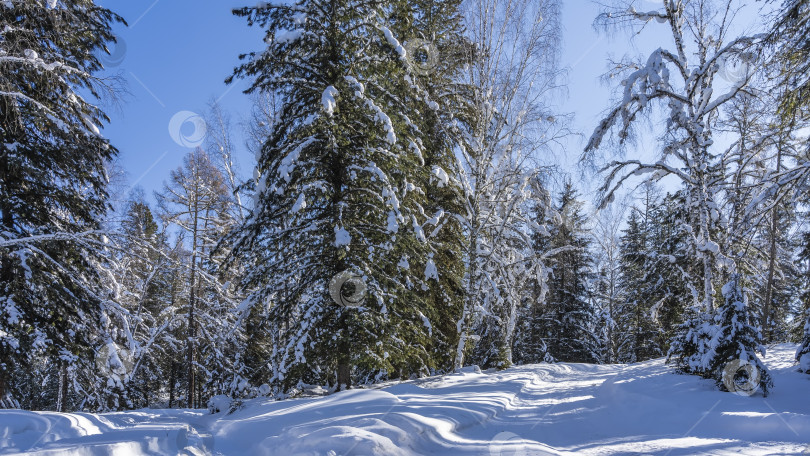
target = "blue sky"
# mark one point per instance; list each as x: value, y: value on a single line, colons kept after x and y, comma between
x: 175, y: 55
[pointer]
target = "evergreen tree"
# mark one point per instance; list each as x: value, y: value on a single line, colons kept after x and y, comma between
x: 338, y: 194
x: 52, y: 191
x: 790, y: 36
x: 529, y: 345
x: 803, y: 352
x: 434, y: 43
x: 568, y: 315
x: 640, y: 334
x: 735, y: 365
x: 657, y: 277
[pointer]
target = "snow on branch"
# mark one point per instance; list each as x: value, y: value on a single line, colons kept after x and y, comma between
x: 616, y: 168
x: 84, y: 237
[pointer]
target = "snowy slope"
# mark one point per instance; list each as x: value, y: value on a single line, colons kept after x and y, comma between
x: 541, y: 409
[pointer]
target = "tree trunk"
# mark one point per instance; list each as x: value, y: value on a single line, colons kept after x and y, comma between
x: 6, y: 265
x: 3, y: 391
x: 609, y: 359
x: 172, y: 380
x: 766, y: 308
x: 62, y: 393
x: 344, y: 376
x: 192, y: 301
x: 344, y: 373
x: 190, y: 349
x: 471, y: 295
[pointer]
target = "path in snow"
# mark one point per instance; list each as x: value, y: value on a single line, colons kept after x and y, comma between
x: 546, y: 409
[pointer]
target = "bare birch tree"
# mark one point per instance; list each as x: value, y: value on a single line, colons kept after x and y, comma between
x: 512, y: 68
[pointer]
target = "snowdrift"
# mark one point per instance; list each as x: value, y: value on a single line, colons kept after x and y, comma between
x: 544, y: 409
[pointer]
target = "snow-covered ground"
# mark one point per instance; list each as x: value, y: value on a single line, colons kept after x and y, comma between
x: 530, y: 410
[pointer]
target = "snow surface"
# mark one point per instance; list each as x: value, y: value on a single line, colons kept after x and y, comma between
x: 544, y: 409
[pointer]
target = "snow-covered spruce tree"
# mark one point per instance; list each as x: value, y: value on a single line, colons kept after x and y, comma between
x: 736, y: 343
x: 790, y: 40
x: 197, y: 201
x: 335, y: 192
x: 621, y: 339
x: 803, y: 352
x: 683, y: 78
x: 431, y: 31
x: 656, y: 264
x: 52, y: 187
x: 568, y: 316
x: 639, y: 337
x: 511, y: 68
x: 669, y: 264
x: 529, y: 345
x: 653, y: 290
